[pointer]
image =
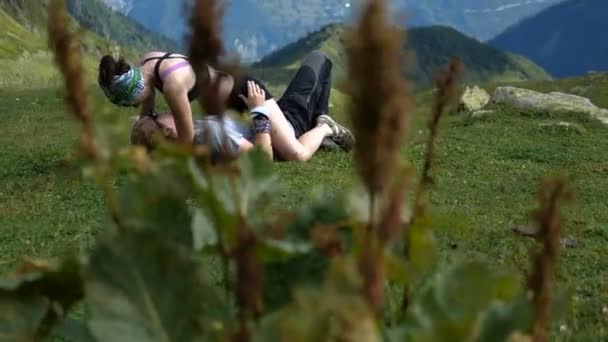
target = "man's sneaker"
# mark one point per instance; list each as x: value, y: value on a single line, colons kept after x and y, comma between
x: 329, y: 145
x: 340, y: 134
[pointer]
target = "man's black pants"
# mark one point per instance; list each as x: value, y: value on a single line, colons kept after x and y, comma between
x: 307, y: 96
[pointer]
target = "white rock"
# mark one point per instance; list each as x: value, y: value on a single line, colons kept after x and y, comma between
x: 525, y: 99
x: 473, y: 99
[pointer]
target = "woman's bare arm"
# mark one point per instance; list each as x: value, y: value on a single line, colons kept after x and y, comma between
x: 177, y: 99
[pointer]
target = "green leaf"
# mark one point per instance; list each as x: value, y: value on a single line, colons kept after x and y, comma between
x: 73, y: 330
x: 455, y: 303
x: 21, y: 316
x: 142, y: 287
x: 396, y: 269
x: 502, y: 319
x: 334, y: 311
x: 159, y: 201
x: 14, y: 281
x: 302, y: 269
x: 204, y: 234
x: 466, y: 289
x: 422, y: 248
x: 33, y: 287
x: 215, y: 200
x: 256, y: 180
x: 271, y: 251
x: 326, y: 211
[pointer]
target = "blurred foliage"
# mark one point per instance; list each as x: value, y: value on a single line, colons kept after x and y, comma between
x: 193, y: 251
x: 25, y: 58
x: 148, y: 276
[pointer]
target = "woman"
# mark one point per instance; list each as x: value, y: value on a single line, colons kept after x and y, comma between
x: 296, y: 133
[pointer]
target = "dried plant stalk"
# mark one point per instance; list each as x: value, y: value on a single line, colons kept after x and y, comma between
x: 249, y: 280
x: 380, y: 117
x: 68, y: 58
x: 206, y: 49
x: 445, y: 83
x: 391, y: 220
x: 372, y: 272
x: 552, y: 193
x: 379, y: 104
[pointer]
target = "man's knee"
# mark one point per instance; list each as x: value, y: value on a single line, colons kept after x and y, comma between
x: 317, y: 60
x: 297, y: 155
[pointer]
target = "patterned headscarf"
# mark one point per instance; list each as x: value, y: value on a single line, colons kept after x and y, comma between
x: 125, y: 88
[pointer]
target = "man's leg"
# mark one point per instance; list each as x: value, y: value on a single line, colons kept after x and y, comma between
x: 307, y: 96
x: 322, y: 93
x: 284, y: 141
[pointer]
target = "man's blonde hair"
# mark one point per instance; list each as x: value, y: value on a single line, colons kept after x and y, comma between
x: 146, y: 132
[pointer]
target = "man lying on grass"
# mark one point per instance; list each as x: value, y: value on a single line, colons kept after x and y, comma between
x: 294, y: 127
x: 298, y: 121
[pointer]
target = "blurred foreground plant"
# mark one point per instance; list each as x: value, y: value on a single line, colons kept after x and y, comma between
x: 192, y: 253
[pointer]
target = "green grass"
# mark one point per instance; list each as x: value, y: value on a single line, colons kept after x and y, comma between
x: 487, y: 173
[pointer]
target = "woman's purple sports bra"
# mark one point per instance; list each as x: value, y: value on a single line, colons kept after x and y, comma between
x: 192, y: 94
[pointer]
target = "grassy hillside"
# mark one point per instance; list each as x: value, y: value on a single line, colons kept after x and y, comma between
x: 432, y: 46
x: 29, y: 13
x: 24, y: 57
x: 487, y: 173
x: 16, y: 38
x: 564, y: 50
x: 97, y: 17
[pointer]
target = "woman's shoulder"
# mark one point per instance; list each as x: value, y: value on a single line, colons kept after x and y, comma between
x: 150, y: 54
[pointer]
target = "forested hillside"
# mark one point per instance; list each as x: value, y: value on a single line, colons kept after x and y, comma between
x: 429, y: 49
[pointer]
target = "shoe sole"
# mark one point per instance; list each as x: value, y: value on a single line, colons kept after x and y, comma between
x: 347, y: 142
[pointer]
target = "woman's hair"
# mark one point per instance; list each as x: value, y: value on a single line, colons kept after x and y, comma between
x: 110, y: 67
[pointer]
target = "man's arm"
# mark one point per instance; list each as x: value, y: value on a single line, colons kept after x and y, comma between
x: 260, y: 114
x: 262, y: 128
x: 147, y: 106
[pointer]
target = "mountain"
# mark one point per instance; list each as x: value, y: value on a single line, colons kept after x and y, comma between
x: 567, y: 39
x: 24, y: 55
x: 19, y: 28
x: 254, y: 28
x: 433, y: 48
x: 98, y: 17
x: 93, y: 15
x: 482, y: 19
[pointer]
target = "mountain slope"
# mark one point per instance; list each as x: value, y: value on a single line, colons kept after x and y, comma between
x: 97, y: 17
x: 433, y: 48
x: 94, y: 15
x: 255, y: 28
x: 482, y: 19
x: 567, y: 39
x: 15, y: 38
x: 24, y: 57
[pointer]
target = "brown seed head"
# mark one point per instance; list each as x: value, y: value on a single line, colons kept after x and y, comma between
x: 379, y: 104
x: 551, y: 195
x: 68, y: 57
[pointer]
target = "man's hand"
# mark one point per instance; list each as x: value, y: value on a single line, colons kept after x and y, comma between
x: 256, y: 96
